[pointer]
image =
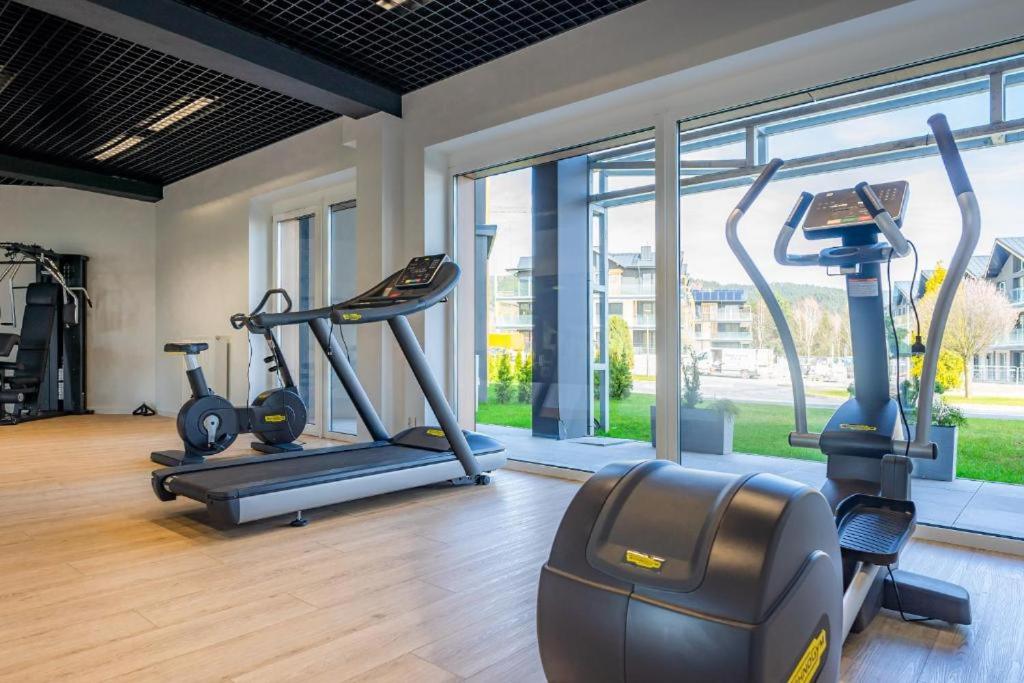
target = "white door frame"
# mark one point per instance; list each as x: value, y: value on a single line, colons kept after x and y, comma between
x: 315, y: 427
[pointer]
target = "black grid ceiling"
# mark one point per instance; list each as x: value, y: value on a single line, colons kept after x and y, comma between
x: 66, y: 91
x: 415, y: 44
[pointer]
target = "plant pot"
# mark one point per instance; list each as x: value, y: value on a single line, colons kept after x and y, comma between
x: 943, y: 468
x: 702, y: 430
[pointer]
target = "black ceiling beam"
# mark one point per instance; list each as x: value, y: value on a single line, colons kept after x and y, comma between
x: 194, y: 36
x: 64, y: 175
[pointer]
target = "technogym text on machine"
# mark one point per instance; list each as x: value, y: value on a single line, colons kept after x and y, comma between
x: 241, y: 490
x: 661, y: 572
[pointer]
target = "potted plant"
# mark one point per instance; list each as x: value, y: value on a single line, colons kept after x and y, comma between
x: 707, y: 429
x: 944, y: 430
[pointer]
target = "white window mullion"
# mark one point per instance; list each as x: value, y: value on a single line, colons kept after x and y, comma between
x: 666, y: 241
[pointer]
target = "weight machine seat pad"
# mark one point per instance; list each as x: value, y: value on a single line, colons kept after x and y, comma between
x: 37, y: 330
x: 190, y: 348
x: 7, y: 343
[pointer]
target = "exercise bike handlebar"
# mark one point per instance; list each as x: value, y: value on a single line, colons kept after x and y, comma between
x: 769, y: 298
x: 970, y: 217
x: 240, y: 320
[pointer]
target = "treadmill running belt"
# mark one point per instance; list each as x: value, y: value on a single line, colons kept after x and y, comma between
x: 277, y: 475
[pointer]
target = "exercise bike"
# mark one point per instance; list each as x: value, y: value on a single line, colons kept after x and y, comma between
x: 660, y: 572
x: 208, y: 424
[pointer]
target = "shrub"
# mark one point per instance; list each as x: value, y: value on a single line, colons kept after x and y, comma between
x: 524, y: 378
x: 946, y: 415
x: 725, y: 406
x: 503, y: 380
x: 620, y: 375
x: 691, y: 378
x: 620, y: 358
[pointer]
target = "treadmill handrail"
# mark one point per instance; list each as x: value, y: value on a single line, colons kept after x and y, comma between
x: 770, y: 300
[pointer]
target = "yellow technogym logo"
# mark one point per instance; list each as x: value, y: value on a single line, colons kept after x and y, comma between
x: 274, y: 418
x: 351, y: 316
x: 436, y: 432
x: 814, y: 656
x: 858, y: 428
x: 644, y: 560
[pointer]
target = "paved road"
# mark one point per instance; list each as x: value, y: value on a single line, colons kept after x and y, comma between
x: 773, y: 391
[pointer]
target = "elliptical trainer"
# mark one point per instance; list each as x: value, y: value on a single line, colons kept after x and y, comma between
x: 660, y: 572
x: 208, y: 424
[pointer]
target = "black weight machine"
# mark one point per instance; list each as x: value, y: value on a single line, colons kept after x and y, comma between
x: 45, y: 371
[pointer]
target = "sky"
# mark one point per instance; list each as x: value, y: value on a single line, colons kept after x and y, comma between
x: 932, y: 220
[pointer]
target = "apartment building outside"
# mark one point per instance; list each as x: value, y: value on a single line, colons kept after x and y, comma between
x: 712, y: 318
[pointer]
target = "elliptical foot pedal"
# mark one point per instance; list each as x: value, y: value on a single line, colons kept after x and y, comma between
x: 873, y: 529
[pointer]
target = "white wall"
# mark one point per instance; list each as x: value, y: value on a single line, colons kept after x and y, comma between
x: 212, y: 242
x: 118, y: 236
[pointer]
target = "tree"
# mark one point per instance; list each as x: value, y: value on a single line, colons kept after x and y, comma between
x: 524, y: 378
x: 806, y: 316
x: 763, y: 332
x: 620, y: 358
x: 979, y: 316
x: 825, y: 342
x: 691, y: 377
x: 948, y: 374
x: 938, y: 276
x: 503, y: 380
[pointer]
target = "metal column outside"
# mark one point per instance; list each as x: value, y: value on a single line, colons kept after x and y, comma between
x: 343, y: 369
x: 432, y: 390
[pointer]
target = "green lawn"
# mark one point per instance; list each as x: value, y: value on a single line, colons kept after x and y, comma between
x: 992, y: 450
x: 954, y: 398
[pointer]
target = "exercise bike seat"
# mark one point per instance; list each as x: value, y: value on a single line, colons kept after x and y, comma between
x: 189, y: 348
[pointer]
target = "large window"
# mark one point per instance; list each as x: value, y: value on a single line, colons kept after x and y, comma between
x: 732, y: 358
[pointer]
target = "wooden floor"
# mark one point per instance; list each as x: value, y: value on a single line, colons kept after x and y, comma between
x: 100, y: 581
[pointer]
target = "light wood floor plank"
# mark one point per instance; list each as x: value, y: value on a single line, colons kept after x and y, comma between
x: 101, y: 581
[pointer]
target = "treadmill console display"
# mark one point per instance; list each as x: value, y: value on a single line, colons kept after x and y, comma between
x: 420, y: 272
x: 832, y: 213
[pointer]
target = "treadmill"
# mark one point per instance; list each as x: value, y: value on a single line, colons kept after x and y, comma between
x: 242, y: 490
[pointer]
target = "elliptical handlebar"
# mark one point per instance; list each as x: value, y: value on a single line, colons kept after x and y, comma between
x: 970, y: 231
x: 788, y: 229
x: 769, y: 298
x: 769, y: 171
x: 950, y: 153
x: 883, y: 219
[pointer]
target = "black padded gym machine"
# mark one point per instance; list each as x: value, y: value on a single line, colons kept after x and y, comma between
x: 659, y: 572
x: 46, y: 373
x: 208, y: 424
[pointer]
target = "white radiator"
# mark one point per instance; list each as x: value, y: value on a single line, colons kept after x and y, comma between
x: 216, y: 362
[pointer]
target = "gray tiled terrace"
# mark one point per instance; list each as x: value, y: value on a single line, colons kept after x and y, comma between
x: 962, y: 504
